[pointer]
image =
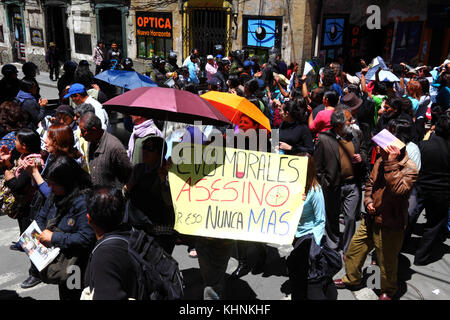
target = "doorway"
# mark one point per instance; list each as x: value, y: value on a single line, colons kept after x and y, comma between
x: 437, y: 41
x: 57, y: 31
x: 110, y: 27
x: 206, y: 27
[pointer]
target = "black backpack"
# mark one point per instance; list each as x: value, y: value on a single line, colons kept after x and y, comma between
x: 158, y: 275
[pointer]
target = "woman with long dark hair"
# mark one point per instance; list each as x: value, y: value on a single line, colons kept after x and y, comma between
x: 311, y: 227
x: 295, y: 136
x: 63, y: 216
x: 58, y: 142
x: 27, y: 145
x: 27, y: 148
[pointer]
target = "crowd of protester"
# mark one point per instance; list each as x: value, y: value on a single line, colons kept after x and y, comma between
x: 67, y: 160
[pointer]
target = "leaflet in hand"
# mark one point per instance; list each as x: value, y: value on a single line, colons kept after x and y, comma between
x: 40, y: 255
x: 308, y: 68
x: 385, y: 139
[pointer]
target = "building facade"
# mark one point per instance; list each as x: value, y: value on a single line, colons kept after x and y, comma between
x: 156, y: 27
x: 143, y: 28
x: 410, y: 30
x: 413, y: 31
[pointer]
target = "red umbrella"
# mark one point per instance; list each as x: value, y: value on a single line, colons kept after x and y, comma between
x: 166, y: 104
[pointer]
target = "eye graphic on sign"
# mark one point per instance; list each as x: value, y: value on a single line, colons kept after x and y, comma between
x: 334, y: 32
x: 261, y: 33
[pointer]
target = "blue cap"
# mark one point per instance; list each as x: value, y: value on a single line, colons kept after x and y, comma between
x: 219, y: 56
x: 75, y: 88
x: 261, y: 83
x: 248, y: 63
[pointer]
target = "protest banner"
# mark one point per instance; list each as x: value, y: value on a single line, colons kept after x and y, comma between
x: 243, y: 195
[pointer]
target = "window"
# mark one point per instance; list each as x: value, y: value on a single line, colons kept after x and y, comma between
x: 150, y: 46
x: 83, y: 43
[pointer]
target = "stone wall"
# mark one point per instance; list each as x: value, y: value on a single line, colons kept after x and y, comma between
x: 5, y: 46
x: 34, y: 18
x: 296, y: 42
x: 82, y: 20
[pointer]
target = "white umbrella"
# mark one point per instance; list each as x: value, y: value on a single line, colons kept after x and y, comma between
x: 386, y: 75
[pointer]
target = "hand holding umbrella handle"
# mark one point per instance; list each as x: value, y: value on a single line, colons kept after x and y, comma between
x: 164, y: 170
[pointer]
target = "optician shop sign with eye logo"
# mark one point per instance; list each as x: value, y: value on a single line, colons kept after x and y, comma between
x: 154, y: 24
x: 262, y: 32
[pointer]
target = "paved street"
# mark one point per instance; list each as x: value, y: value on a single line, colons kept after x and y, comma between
x: 430, y: 282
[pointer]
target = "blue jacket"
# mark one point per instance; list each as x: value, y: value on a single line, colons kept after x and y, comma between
x: 76, y: 237
x: 29, y: 104
x: 23, y: 95
x: 192, y: 72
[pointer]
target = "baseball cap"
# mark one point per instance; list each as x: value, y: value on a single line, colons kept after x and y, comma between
x: 74, y: 89
x: 64, y: 108
x: 209, y: 57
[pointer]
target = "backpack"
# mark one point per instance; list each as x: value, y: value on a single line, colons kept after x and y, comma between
x: 158, y: 275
